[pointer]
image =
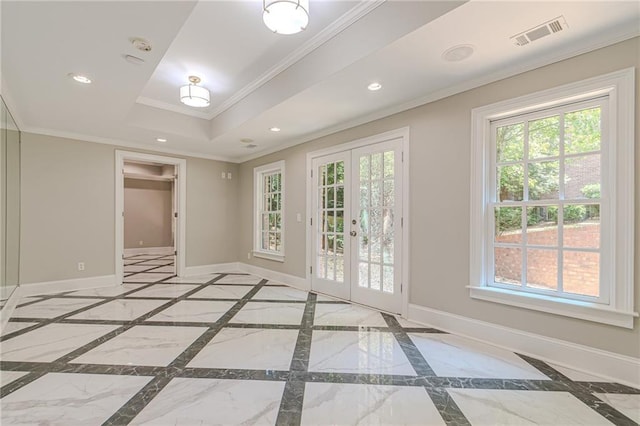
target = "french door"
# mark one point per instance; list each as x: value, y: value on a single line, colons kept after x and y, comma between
x: 357, y: 225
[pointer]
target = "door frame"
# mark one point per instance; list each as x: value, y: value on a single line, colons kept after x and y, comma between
x: 402, y: 133
x: 180, y: 186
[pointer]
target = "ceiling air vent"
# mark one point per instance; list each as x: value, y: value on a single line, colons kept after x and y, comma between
x: 550, y: 27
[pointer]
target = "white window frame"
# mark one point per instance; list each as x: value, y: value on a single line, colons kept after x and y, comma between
x: 617, y: 209
x: 258, y: 174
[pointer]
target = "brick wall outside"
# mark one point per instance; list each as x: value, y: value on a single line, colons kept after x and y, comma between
x: 581, y: 270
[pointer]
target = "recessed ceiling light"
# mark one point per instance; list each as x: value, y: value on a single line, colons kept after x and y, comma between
x: 161, y: 139
x: 251, y: 146
x: 275, y: 129
x: 246, y: 140
x: 80, y: 78
x: 374, y: 86
x: 458, y: 53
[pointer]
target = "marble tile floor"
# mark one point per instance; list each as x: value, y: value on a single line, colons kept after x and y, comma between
x: 237, y: 349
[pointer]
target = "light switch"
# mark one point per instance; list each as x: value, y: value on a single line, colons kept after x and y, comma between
x: 229, y: 175
x: 224, y: 175
x: 298, y: 217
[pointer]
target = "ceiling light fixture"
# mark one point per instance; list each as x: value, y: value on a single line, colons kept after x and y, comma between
x: 161, y: 139
x: 194, y: 96
x: 458, y: 53
x: 374, y: 86
x: 285, y: 16
x: 275, y: 129
x: 80, y: 78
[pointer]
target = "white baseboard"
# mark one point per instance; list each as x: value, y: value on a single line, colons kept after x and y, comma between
x: 148, y: 250
x: 8, y: 308
x: 191, y: 271
x: 609, y: 365
x: 290, y: 280
x: 67, y: 285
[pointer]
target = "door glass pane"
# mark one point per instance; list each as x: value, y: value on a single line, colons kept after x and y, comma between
x: 387, y: 237
x: 340, y: 172
x: 376, y: 166
x: 364, y: 168
x: 388, y: 164
x: 340, y: 268
x: 363, y: 274
x: 387, y: 279
x: 388, y: 193
x: 322, y: 267
x: 331, y: 222
x: 376, y: 194
x: 376, y: 279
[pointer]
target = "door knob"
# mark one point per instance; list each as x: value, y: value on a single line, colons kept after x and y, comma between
x: 353, y: 233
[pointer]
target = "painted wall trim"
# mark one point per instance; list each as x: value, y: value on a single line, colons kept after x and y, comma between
x: 49, y: 287
x: 290, y: 280
x: 192, y: 271
x: 609, y: 365
x: 148, y: 250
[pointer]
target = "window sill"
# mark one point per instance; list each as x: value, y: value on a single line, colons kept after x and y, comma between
x: 569, y: 308
x: 268, y: 256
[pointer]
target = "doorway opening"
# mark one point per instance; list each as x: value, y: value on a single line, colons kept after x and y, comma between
x: 358, y: 229
x: 149, y: 223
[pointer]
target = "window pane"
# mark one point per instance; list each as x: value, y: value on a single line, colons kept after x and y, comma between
x: 364, y: 195
x: 331, y: 170
x: 388, y: 193
x: 322, y: 176
x: 340, y: 221
x: 510, y: 142
x: 331, y: 268
x: 542, y: 225
x: 581, y: 273
x: 376, y: 166
x: 322, y: 267
x: 265, y: 241
x: 510, y: 182
x: 272, y: 241
x: 272, y: 221
x: 322, y: 199
x: 544, y: 137
x: 279, y: 221
x: 376, y: 279
x: 542, y: 269
x: 339, y: 244
x: 376, y: 234
x: 582, y: 177
x: 340, y: 197
x: 581, y: 227
x: 388, y: 164
x: 364, y: 168
x: 340, y: 172
x: 376, y: 193
x: 387, y: 238
x: 363, y: 274
x: 331, y: 197
x: 508, y: 224
x: 278, y: 241
x: 340, y: 269
x: 544, y: 180
x: 265, y: 221
x: 508, y: 265
x: 279, y: 180
x: 582, y: 131
x: 387, y: 279
x: 331, y: 221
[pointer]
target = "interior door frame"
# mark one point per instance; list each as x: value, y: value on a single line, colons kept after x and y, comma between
x: 402, y: 133
x: 180, y: 187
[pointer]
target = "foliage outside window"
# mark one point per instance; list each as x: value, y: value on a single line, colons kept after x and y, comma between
x: 269, y: 210
x: 552, y: 200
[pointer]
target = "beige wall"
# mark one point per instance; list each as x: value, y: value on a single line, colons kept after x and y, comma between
x: 148, y: 212
x: 439, y: 161
x: 68, y: 203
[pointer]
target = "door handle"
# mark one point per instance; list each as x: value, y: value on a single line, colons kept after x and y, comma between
x: 353, y: 233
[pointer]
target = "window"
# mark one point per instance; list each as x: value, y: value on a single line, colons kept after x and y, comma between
x: 269, y: 211
x: 552, y: 201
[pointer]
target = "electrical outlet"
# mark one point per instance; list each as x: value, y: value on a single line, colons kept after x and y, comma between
x: 141, y: 242
x: 229, y: 175
x: 249, y: 255
x: 80, y: 266
x: 224, y: 175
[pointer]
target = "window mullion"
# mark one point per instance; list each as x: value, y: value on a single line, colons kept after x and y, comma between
x: 525, y: 199
x: 561, y: 196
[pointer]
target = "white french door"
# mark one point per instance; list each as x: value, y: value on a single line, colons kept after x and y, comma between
x: 356, y: 221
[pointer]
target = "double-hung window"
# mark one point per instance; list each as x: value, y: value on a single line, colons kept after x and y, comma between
x: 269, y: 211
x: 552, y: 201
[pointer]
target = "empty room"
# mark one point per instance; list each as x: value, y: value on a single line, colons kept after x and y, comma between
x: 319, y: 212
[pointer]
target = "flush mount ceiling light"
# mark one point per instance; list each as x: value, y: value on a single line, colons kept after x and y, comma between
x: 275, y: 129
x: 285, y: 16
x: 374, y: 86
x: 162, y: 140
x: 194, y: 96
x: 458, y: 53
x: 80, y: 78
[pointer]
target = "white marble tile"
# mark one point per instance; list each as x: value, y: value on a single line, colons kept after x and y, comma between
x: 578, y: 376
x: 455, y: 356
x: 270, y: 313
x: 507, y: 407
x: 200, y: 279
x: 164, y: 290
x: 10, y: 327
x: 51, y: 308
x: 120, y: 309
x: 7, y: 377
x: 107, y: 291
x: 211, y: 401
x: 248, y: 348
x: 223, y: 291
x: 240, y: 279
x: 69, y: 399
x: 351, y: 315
x: 146, y: 278
x: 629, y: 405
x: 168, y: 268
x: 193, y: 311
x: 143, y: 345
x: 136, y: 268
x: 410, y: 324
x: 366, y: 352
x: 280, y: 293
x: 50, y: 342
x: 351, y: 404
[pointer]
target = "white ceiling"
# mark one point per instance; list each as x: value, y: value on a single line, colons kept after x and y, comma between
x: 309, y: 84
